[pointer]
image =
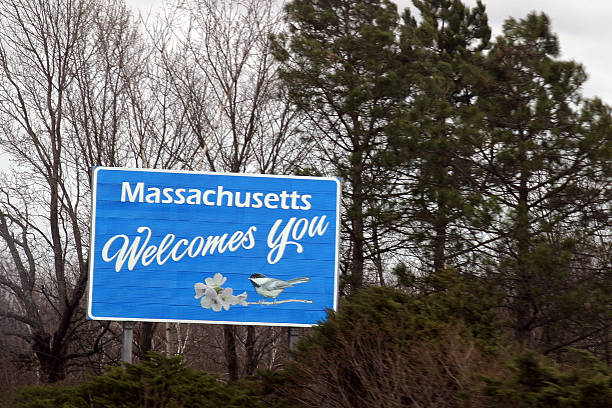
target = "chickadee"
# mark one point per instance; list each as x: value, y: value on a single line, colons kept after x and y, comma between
x: 270, y: 287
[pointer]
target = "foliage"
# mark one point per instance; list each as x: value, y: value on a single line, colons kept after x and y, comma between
x: 479, y: 161
x: 158, y: 382
x: 86, y: 83
x: 433, y: 141
x: 544, y: 149
x: 342, y: 69
x: 538, y: 383
x: 386, y: 348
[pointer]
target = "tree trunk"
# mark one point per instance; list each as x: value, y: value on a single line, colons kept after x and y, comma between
x: 252, y: 359
x: 357, y: 222
x: 523, y: 302
x: 53, y: 367
x: 439, y: 244
x: 231, y: 356
x: 145, y: 339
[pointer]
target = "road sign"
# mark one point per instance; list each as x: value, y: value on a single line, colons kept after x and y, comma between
x: 213, y: 247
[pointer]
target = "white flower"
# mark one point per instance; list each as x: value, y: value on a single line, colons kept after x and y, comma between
x: 242, y: 299
x: 231, y: 299
x: 216, y: 281
x: 227, y: 298
x: 213, y: 296
x: 199, y: 288
x: 211, y: 300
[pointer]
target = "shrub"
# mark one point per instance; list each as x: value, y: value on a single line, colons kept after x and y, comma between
x: 384, y: 348
x: 157, y: 382
x: 537, y: 382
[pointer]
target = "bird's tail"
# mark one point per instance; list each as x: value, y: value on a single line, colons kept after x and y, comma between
x: 298, y: 280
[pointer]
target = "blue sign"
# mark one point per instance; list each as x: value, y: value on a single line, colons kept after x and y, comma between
x: 213, y: 247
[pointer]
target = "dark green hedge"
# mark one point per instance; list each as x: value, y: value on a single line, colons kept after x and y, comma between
x: 159, y: 382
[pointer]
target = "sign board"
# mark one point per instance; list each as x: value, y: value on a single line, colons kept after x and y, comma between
x: 213, y: 247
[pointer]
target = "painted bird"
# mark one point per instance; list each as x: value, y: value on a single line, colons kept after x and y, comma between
x: 270, y: 287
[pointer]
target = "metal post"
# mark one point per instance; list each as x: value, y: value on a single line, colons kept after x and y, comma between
x: 294, y: 335
x: 127, y: 341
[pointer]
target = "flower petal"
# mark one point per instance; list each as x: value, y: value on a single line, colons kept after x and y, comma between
x: 199, y: 288
x: 216, y: 281
x: 242, y: 299
x: 205, y: 302
x: 220, y: 278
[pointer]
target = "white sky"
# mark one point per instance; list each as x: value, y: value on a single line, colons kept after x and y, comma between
x: 583, y: 28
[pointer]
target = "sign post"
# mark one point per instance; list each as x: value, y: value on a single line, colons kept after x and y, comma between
x: 175, y: 246
x: 127, y: 341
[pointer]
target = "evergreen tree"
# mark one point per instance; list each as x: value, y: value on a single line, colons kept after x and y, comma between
x: 544, y: 150
x: 433, y: 141
x: 342, y: 68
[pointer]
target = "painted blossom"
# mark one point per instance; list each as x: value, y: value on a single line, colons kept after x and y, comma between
x: 227, y: 298
x: 211, y: 300
x: 216, y: 281
x: 200, y: 289
x: 213, y: 296
x: 242, y: 299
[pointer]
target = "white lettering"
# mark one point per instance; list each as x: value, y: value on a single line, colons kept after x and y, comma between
x: 257, y: 200
x: 248, y: 241
x: 269, y: 199
x: 126, y: 251
x: 137, y: 249
x: 132, y: 195
x: 167, y: 192
x: 205, y: 197
x: 305, y: 200
x: 296, y: 228
x: 153, y: 195
x: 214, y: 197
x: 190, y: 251
x: 180, y: 199
x: 215, y: 242
x: 173, y: 252
x: 194, y: 196
x: 163, y: 246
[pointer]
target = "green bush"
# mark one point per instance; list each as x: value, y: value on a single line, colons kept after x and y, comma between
x: 382, y: 348
x: 537, y: 382
x: 387, y: 348
x: 444, y: 349
x: 158, y: 382
x: 47, y: 396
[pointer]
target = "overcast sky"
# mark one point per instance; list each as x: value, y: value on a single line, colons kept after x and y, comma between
x: 582, y: 27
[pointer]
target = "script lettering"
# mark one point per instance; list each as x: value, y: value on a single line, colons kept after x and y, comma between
x: 294, y: 228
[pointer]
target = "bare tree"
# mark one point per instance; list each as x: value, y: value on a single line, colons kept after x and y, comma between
x: 225, y: 78
x: 44, y: 203
x: 218, y: 54
x: 79, y: 88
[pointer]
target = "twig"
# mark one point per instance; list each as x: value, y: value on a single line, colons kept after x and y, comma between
x: 278, y: 302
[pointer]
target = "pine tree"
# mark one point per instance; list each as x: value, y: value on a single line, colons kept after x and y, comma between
x: 342, y: 70
x: 544, y: 150
x: 434, y: 141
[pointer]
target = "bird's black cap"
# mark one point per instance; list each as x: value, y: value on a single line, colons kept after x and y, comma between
x: 257, y: 275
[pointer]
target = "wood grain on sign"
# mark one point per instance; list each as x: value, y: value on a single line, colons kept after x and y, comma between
x: 213, y: 247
